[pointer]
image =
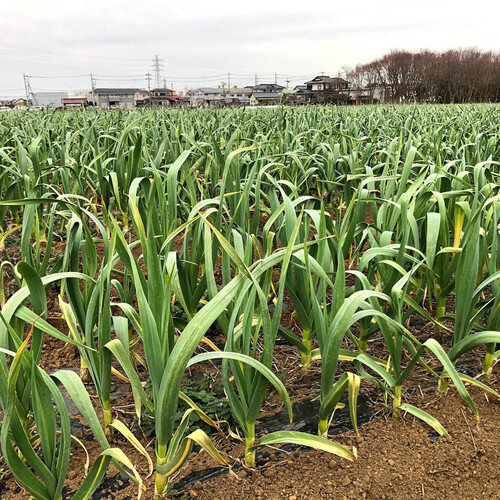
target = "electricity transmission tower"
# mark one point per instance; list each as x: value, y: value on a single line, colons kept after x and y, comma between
x: 157, y: 65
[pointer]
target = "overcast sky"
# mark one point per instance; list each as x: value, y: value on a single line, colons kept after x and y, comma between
x: 199, y: 42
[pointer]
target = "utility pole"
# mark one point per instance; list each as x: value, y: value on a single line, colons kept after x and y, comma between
x: 29, y: 91
x: 148, y: 76
x: 275, y: 79
x: 223, y: 93
x: 92, y: 86
x: 287, y: 82
x: 228, y: 81
x: 256, y: 80
x: 157, y: 70
x: 164, y: 83
x: 25, y: 78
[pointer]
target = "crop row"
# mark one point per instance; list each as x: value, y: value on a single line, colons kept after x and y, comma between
x: 174, y: 224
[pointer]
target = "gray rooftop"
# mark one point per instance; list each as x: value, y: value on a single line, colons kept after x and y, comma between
x: 206, y: 90
x: 327, y: 79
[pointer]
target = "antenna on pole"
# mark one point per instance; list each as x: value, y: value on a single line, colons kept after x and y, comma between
x: 157, y: 65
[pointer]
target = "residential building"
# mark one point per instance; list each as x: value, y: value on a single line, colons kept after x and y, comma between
x: 204, y: 96
x: 298, y: 96
x: 266, y: 94
x: 48, y: 99
x: 141, y: 97
x: 370, y: 94
x: 74, y: 102
x: 114, y: 98
x: 326, y: 83
x: 163, y: 97
x: 236, y: 96
x: 21, y: 102
x: 325, y: 89
x: 268, y: 88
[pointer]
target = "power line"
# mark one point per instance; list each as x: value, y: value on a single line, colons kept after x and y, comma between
x: 57, y: 53
x: 60, y: 77
x: 118, y: 76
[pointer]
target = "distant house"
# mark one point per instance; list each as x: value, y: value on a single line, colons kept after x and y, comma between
x: 299, y: 95
x: 325, y: 83
x: 21, y: 102
x: 48, y: 99
x: 236, y: 96
x: 369, y: 94
x: 114, y: 98
x: 266, y: 94
x: 6, y: 104
x: 204, y: 96
x: 324, y: 89
x: 141, y: 96
x: 163, y: 92
x: 268, y: 88
x: 74, y: 102
x: 163, y: 97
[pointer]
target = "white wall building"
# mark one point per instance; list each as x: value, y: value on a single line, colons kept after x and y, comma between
x: 48, y: 99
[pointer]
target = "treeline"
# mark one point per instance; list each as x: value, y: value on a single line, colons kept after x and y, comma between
x: 453, y: 76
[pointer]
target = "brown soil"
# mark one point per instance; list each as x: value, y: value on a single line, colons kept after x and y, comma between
x: 396, y: 460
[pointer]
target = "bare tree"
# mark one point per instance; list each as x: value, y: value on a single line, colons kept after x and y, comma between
x: 460, y: 75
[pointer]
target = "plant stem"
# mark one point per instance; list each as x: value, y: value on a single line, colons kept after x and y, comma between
x: 250, y: 441
x: 84, y: 372
x: 442, y: 385
x: 488, y: 361
x: 161, y: 481
x: 108, y: 418
x: 323, y: 428
x: 305, y: 358
x: 441, y: 307
x: 362, y: 345
x: 396, y: 412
